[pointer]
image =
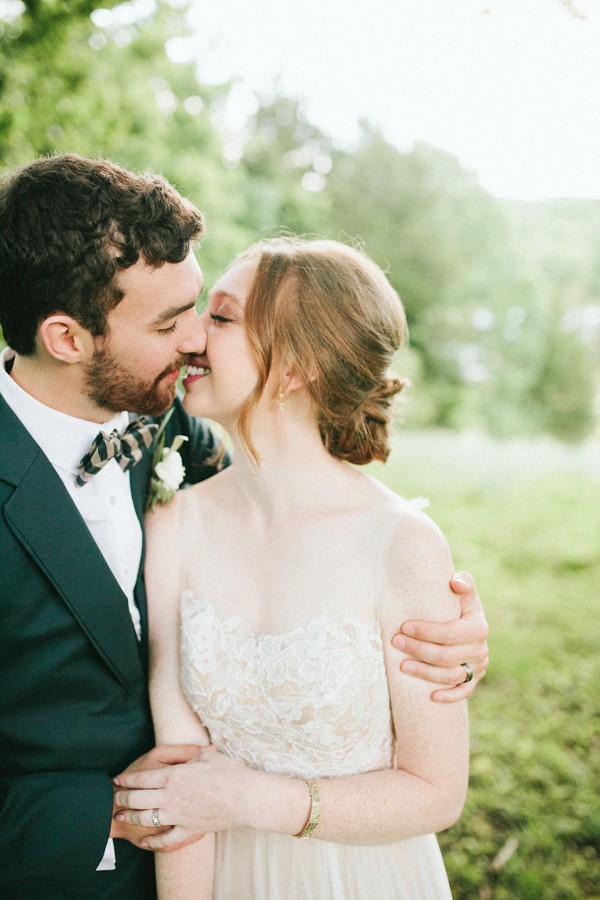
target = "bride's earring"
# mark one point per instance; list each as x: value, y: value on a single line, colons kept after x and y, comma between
x: 280, y: 399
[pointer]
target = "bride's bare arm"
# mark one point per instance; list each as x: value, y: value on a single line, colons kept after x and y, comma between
x: 424, y: 793
x: 187, y: 872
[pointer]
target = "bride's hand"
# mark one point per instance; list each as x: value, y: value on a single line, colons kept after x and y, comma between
x: 211, y: 792
x: 164, y: 755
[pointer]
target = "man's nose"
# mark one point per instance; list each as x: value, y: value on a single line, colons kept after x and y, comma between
x: 194, y: 337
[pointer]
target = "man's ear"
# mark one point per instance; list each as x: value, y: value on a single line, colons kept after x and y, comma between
x: 65, y: 339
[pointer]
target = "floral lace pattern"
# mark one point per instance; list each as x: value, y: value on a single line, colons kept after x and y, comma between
x: 289, y: 704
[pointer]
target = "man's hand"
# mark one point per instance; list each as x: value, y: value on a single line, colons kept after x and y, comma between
x: 438, y: 649
x: 135, y: 834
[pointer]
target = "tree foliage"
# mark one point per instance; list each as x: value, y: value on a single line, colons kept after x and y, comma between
x: 501, y: 298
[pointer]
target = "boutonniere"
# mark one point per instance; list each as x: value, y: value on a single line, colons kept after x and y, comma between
x: 168, y: 470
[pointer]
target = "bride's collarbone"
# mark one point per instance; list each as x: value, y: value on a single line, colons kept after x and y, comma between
x: 303, y: 535
x: 284, y: 594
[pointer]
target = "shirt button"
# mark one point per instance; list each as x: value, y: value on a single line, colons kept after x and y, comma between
x: 113, y: 500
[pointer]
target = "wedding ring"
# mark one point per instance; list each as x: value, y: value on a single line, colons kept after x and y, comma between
x: 468, y: 669
x: 156, y: 820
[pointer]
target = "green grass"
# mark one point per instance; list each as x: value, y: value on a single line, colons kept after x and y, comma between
x: 524, y: 518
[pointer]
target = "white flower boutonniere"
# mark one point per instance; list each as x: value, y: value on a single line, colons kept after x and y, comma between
x: 168, y: 470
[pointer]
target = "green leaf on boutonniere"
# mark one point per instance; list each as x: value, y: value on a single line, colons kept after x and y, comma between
x: 168, y: 470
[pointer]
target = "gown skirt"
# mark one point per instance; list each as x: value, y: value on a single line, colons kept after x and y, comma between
x: 253, y: 865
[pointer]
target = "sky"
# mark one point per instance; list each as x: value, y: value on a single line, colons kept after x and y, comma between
x: 510, y: 87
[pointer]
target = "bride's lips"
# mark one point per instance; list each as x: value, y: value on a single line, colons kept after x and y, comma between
x: 194, y: 373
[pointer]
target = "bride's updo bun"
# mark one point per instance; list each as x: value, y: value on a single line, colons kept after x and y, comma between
x: 326, y: 312
x: 364, y: 434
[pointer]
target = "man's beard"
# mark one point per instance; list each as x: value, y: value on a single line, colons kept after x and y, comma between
x: 111, y: 386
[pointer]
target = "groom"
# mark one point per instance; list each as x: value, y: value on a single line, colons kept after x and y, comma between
x: 98, y: 286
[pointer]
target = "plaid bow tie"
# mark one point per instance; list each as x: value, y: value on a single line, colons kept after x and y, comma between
x: 126, y: 448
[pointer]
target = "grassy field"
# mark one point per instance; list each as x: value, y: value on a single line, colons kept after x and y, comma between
x: 524, y: 518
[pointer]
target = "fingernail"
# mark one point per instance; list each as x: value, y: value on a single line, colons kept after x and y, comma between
x: 117, y: 782
x: 409, y: 630
x: 145, y: 845
x: 408, y: 666
x: 462, y: 579
x: 120, y: 817
x: 399, y: 642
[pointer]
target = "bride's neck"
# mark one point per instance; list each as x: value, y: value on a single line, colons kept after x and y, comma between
x: 294, y: 468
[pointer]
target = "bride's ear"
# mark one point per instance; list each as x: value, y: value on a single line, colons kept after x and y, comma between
x: 292, y: 382
x: 65, y: 339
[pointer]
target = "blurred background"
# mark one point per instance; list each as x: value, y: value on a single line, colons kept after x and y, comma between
x: 459, y: 144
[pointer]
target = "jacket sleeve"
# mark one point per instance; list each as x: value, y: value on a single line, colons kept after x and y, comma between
x: 55, y: 825
x: 203, y: 453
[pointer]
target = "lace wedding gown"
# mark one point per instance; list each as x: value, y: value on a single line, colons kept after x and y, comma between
x: 289, y: 704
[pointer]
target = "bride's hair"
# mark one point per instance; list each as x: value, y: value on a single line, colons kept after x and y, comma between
x: 327, y: 313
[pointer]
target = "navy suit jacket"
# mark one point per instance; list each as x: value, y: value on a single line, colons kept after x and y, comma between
x: 73, y: 694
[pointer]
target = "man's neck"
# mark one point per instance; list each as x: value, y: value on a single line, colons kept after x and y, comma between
x: 56, y: 386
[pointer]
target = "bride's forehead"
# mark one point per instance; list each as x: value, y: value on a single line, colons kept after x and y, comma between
x: 236, y: 281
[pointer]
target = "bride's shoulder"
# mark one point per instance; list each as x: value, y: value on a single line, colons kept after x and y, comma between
x: 186, y: 511
x: 415, y: 566
x: 394, y: 508
x: 408, y: 532
x: 200, y: 498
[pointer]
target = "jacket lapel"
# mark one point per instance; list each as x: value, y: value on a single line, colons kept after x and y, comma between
x: 46, y: 521
x: 139, y: 478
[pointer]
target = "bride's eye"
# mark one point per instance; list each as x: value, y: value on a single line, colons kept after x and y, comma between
x: 220, y: 318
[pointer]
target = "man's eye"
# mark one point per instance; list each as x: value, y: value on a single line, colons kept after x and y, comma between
x: 168, y: 330
x: 220, y: 318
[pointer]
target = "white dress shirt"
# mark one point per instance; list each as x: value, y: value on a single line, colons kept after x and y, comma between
x: 105, y: 502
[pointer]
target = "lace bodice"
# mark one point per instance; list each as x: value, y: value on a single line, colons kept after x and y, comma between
x: 313, y: 701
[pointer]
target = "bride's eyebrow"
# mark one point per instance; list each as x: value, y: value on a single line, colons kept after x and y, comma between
x: 223, y: 295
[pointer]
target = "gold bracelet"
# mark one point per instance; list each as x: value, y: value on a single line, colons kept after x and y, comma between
x: 315, y: 809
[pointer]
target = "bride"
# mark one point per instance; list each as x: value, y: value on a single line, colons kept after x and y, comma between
x: 275, y: 588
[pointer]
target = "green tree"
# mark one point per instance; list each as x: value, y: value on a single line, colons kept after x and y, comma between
x: 284, y: 159
x: 564, y: 390
x: 110, y: 89
x: 437, y: 234
x: 33, y: 34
